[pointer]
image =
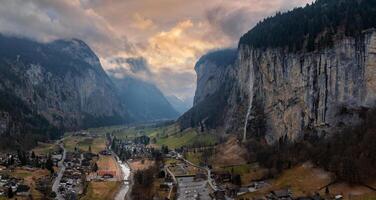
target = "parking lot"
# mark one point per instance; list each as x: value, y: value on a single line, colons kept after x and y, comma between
x: 189, y: 189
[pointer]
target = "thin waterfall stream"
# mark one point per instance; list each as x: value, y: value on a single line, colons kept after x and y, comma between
x: 250, y: 96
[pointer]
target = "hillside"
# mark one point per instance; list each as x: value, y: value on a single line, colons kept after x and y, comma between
x: 53, y: 86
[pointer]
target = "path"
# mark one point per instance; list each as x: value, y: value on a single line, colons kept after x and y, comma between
x: 210, y: 180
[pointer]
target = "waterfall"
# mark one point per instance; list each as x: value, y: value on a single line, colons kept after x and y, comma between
x: 250, y: 96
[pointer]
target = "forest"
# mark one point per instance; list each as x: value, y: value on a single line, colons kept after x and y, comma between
x: 313, y: 27
x: 350, y: 153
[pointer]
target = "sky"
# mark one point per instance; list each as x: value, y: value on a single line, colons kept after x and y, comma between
x: 156, y: 40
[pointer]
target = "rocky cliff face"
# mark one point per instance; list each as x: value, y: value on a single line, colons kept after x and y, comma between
x: 211, y: 72
x: 61, y: 82
x: 276, y: 93
x: 298, y: 92
x: 215, y: 80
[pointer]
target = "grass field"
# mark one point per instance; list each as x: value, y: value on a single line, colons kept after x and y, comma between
x: 45, y: 148
x: 97, y: 144
x: 187, y: 138
x: 30, y: 178
x: 108, y: 163
x: 126, y: 132
x: 167, y: 135
x: 194, y: 158
x: 303, y: 180
x: 141, y: 164
x: 248, y: 172
x: 101, y: 190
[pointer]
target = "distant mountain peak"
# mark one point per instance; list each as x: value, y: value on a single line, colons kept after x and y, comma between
x: 144, y: 100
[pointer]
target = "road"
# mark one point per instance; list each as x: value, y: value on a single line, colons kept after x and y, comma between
x: 210, y: 180
x: 55, y: 186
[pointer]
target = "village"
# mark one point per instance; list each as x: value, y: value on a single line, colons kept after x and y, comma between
x: 184, y: 180
x: 86, y: 164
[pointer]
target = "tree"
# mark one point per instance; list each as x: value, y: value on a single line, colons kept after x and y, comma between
x: 50, y: 164
x: 95, y: 167
x: 236, y: 179
x: 10, y: 193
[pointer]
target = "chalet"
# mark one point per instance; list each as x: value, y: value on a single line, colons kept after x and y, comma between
x: 222, y: 176
x: 85, y: 163
x: 107, y: 176
x: 338, y: 197
x: 105, y: 153
x: 200, y: 176
x: 89, y: 156
x: 280, y: 195
x: 242, y: 190
x: 314, y: 197
x: 164, y: 187
x: 218, y: 195
x: 106, y: 173
x: 23, y: 190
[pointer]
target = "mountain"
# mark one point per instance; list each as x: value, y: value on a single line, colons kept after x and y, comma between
x: 214, y: 85
x: 144, y: 101
x: 178, y: 104
x: 50, y: 87
x: 305, y: 72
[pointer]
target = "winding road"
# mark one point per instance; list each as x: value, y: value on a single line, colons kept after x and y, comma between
x: 55, y: 186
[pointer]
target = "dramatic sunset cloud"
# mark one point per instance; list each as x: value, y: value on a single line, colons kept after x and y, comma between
x: 156, y: 40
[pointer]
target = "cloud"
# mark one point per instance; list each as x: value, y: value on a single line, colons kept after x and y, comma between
x: 232, y: 23
x: 45, y: 20
x: 239, y: 16
x: 158, y: 41
x: 180, y: 83
x: 136, y: 67
x: 142, y: 23
x: 170, y: 81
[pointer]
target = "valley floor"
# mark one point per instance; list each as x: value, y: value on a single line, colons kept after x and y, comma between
x: 194, y: 163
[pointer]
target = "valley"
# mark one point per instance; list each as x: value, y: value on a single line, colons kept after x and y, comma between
x: 113, y: 162
x: 188, y: 100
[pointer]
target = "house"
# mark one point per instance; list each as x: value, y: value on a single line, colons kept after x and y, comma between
x: 105, y: 153
x: 280, y: 195
x: 3, y: 191
x: 218, y: 195
x: 222, y: 177
x: 107, y: 176
x: 338, y: 197
x: 164, y: 187
x: 23, y: 190
x: 106, y: 173
x: 200, y: 176
x: 314, y: 197
x: 242, y: 190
